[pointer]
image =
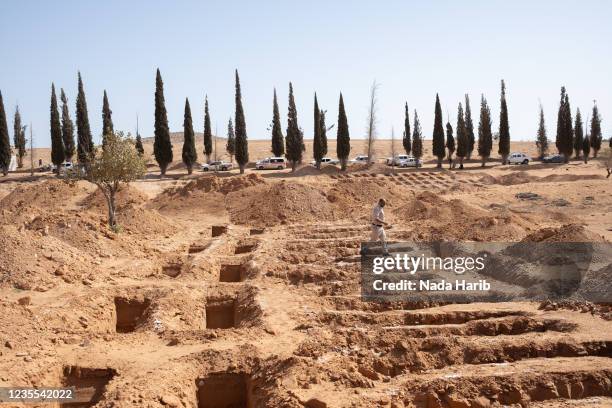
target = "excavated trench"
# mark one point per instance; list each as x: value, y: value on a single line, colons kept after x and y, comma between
x: 89, y: 384
x: 172, y: 269
x: 221, y: 314
x: 232, y: 273
x: 224, y: 390
x: 131, y: 313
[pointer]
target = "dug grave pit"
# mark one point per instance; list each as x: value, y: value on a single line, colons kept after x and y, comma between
x: 130, y: 313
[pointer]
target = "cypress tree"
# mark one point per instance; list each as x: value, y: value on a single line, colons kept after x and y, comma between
x: 107, y: 120
x: 139, y: 146
x: 542, y: 140
x: 504, y: 127
x: 19, y: 138
x: 485, y: 135
x: 462, y: 140
x: 450, y: 143
x: 317, y: 145
x: 85, y: 147
x: 242, y: 144
x: 208, y: 145
x: 323, y: 133
x: 595, y: 131
x: 469, y: 127
x: 406, y: 139
x: 5, y: 142
x: 231, y: 141
x: 343, y: 140
x: 67, y: 128
x: 293, y: 138
x: 162, y: 146
x: 417, y: 139
x: 586, y: 148
x: 578, y: 134
x: 564, y: 140
x: 438, y: 134
x: 278, y: 144
x: 57, y: 146
x: 190, y: 155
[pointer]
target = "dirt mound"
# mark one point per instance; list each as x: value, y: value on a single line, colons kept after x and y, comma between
x: 126, y: 196
x: 280, y: 203
x: 522, y: 177
x: 149, y: 222
x: 564, y: 233
x: 435, y: 217
x: 212, y: 183
x: 50, y: 194
x: 313, y: 171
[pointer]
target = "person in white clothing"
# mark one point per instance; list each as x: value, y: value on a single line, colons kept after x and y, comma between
x: 378, y: 223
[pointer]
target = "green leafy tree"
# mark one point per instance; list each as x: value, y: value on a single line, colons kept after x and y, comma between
x: 162, y: 145
x: 485, y: 135
x: 417, y: 139
x: 67, y: 128
x: 242, y: 144
x: 595, y: 131
x: 190, y: 155
x: 469, y: 127
x: 19, y: 138
x: 117, y: 164
x: 462, y: 139
x: 208, y: 145
x: 542, y: 139
x: 294, y: 139
x: 438, y: 134
x: 107, y: 119
x: 5, y: 142
x: 57, y: 145
x: 278, y: 143
x: 578, y: 134
x: 504, y: 127
x: 317, y: 145
x: 564, y: 141
x: 85, y: 146
x: 450, y: 143
x: 343, y: 139
x: 230, y: 146
x: 406, y: 137
x: 138, y: 145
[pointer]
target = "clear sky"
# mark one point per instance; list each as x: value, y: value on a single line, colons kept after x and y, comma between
x: 412, y: 48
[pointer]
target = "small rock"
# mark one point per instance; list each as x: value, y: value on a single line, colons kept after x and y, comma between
x: 315, y: 403
x: 528, y: 196
x: 170, y: 401
x: 8, y: 344
x: 27, y: 359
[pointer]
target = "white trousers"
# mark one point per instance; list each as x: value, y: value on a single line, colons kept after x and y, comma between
x: 378, y: 234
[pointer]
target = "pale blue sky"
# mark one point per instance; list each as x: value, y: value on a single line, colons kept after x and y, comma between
x: 412, y: 48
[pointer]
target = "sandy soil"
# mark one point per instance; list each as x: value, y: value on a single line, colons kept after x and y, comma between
x: 224, y: 290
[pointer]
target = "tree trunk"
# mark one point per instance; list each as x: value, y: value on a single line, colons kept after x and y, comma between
x: 241, y: 166
x: 189, y: 168
x: 208, y: 158
x: 595, y: 153
x: 343, y: 164
x: 162, y: 170
x: 439, y: 165
x: 318, y: 164
x: 293, y: 166
x: 110, y: 200
x: 461, y: 162
x: 504, y: 159
x: 565, y: 158
x: 483, y: 161
x: 19, y: 161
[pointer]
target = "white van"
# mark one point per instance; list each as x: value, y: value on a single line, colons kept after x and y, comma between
x: 277, y: 163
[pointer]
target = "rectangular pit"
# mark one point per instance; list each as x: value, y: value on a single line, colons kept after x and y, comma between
x: 130, y: 313
x: 221, y: 314
x: 231, y: 273
x: 245, y: 248
x: 89, y: 383
x: 217, y: 230
x: 224, y: 390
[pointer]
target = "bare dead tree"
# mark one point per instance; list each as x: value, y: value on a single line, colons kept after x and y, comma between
x: 372, y: 121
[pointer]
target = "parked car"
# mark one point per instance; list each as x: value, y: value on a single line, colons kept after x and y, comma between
x: 360, y: 159
x: 395, y: 161
x: 67, y: 168
x: 518, y: 158
x: 326, y: 160
x: 410, y: 162
x: 555, y: 158
x: 277, y: 163
x: 217, y: 166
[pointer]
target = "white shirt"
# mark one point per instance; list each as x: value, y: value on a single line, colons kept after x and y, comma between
x: 377, y: 214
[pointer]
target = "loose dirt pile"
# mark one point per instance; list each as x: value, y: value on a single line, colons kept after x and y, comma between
x: 125, y: 197
x: 564, y: 233
x: 437, y: 218
x: 522, y: 177
x: 280, y: 203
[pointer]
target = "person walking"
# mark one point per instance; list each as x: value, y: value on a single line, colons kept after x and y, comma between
x: 378, y: 224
